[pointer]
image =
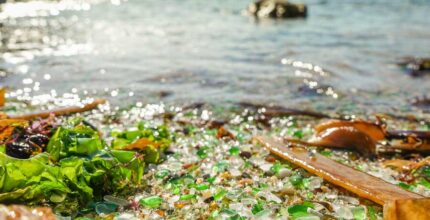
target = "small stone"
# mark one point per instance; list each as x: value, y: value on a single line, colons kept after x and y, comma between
x: 269, y: 196
x: 284, y: 172
x: 161, y: 213
x: 151, y: 202
x: 234, y: 151
x: 344, y: 213
x: 209, y: 199
x: 235, y: 172
x: 245, y: 154
x: 265, y: 167
x: 116, y: 200
x: 188, y: 197
x: 201, y: 187
x: 181, y: 204
x: 105, y: 207
x: 162, y: 173
x: 314, y: 183
x: 213, y: 206
x: 270, y: 159
x: 245, y: 182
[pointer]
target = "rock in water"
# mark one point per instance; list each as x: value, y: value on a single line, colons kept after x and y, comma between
x: 277, y: 9
x: 416, y: 66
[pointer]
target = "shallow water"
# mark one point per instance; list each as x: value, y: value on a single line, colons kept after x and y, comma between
x: 343, y: 56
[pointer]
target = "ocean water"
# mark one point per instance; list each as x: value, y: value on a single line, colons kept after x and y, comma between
x: 342, y: 56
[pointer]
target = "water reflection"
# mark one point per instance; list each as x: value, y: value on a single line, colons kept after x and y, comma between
x: 190, y: 51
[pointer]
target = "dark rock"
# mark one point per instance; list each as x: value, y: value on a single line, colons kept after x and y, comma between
x: 164, y: 94
x: 245, y: 154
x: 209, y: 199
x: 416, y: 66
x: 246, y: 176
x: 206, y: 176
x: 216, y: 124
x: 18, y: 150
x: 169, y: 152
x: 421, y: 102
x: 39, y: 140
x: 277, y: 9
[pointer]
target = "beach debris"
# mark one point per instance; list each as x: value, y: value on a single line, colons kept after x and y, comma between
x: 411, y: 141
x: 398, y: 203
x: 364, y: 137
x: 277, y: 9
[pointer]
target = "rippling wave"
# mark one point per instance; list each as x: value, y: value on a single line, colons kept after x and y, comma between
x: 342, y: 56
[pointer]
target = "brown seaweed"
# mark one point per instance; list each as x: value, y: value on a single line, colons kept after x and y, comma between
x: 375, y: 130
x: 359, y: 135
x: 347, y: 138
x: 407, y: 140
x: 364, y: 136
x: 7, y: 127
x: 407, y: 165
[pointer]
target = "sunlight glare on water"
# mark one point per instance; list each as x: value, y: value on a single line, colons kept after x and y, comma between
x: 343, y: 55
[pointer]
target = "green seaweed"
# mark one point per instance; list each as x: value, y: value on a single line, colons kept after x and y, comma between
x: 76, y: 170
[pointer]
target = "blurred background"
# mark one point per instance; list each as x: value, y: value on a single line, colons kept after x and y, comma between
x: 343, y: 55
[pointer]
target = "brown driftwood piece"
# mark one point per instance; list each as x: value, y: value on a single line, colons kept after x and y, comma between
x: 398, y: 203
x: 61, y: 111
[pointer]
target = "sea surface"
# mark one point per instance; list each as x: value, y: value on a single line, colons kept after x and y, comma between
x: 342, y: 56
